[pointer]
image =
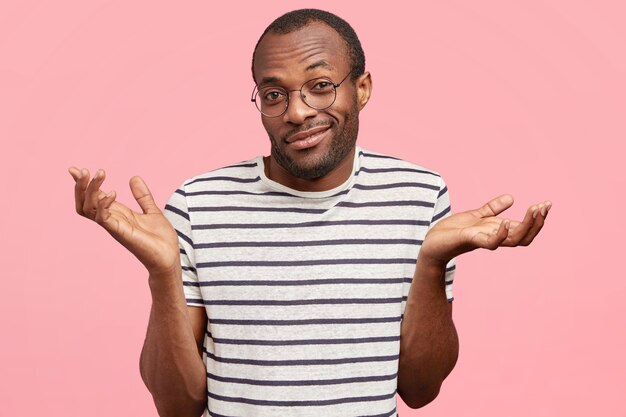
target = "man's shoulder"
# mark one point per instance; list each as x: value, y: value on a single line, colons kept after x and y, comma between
x: 377, y: 162
x: 237, y: 173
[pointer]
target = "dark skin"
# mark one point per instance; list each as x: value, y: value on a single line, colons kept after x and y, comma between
x: 290, y: 60
x: 171, y: 364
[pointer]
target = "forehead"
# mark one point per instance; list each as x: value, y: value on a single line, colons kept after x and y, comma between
x: 317, y: 45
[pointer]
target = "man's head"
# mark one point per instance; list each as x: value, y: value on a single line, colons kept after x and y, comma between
x: 309, y: 143
x: 297, y: 19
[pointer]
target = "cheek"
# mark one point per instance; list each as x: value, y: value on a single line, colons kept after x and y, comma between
x: 265, y: 123
x: 269, y: 126
x: 345, y: 108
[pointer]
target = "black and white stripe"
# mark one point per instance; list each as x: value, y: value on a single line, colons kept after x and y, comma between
x: 304, y: 292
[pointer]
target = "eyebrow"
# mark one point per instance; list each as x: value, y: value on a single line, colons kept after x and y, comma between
x: 321, y: 63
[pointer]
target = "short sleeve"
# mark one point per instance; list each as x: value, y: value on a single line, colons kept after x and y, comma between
x: 177, y: 212
x: 441, y: 211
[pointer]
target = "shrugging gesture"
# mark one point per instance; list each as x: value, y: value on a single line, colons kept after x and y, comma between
x: 147, y: 234
x: 482, y: 228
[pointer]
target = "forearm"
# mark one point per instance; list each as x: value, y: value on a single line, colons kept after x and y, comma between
x: 428, y: 344
x: 170, y: 364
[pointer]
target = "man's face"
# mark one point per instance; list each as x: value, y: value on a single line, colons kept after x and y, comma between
x: 306, y: 142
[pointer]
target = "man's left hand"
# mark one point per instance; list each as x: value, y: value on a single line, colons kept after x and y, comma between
x: 482, y: 228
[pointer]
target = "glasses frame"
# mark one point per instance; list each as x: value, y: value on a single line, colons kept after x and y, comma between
x: 255, y: 92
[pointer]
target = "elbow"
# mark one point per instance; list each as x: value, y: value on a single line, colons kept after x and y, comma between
x: 188, y: 409
x: 179, y: 402
x: 420, y: 397
x: 178, y: 395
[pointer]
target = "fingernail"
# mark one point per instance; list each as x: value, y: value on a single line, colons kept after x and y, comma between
x: 543, y: 211
x: 535, y: 211
x: 507, y: 224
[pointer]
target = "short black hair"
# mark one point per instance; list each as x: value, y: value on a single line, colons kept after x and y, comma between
x: 297, y: 19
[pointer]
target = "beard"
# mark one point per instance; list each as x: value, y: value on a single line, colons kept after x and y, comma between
x: 342, y: 143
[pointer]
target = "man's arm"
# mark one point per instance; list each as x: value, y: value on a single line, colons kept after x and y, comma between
x: 171, y: 360
x: 171, y: 363
x: 429, y: 343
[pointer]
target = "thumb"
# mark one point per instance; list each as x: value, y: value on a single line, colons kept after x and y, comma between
x: 143, y: 196
x: 496, y: 206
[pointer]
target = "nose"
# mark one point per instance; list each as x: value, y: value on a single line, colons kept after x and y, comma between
x: 297, y: 110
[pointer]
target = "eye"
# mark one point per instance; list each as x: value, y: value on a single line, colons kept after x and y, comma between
x: 322, y: 86
x: 272, y: 95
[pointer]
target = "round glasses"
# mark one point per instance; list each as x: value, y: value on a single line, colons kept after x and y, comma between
x: 318, y: 93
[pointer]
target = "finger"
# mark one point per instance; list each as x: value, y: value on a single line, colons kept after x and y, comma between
x: 92, y: 193
x: 495, y: 239
x: 143, y: 196
x: 74, y: 172
x: 513, y: 224
x: 103, y: 213
x: 540, y: 218
x: 82, y: 180
x: 496, y: 206
x: 521, y: 229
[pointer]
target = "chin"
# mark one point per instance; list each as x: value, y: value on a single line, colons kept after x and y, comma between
x: 318, y: 161
x: 310, y: 171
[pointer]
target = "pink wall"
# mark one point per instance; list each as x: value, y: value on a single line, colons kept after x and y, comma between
x: 525, y: 97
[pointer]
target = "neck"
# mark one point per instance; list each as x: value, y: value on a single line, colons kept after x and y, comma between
x: 333, y: 179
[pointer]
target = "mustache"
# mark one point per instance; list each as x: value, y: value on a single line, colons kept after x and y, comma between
x: 304, y: 128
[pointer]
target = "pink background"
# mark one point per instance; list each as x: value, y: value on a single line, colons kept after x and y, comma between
x: 525, y: 97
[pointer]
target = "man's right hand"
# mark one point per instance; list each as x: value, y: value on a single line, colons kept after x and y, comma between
x: 148, y: 235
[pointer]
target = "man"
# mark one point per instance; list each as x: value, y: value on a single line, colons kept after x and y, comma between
x: 282, y: 288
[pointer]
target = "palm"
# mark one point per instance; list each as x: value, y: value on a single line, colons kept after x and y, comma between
x: 482, y: 228
x: 148, y: 235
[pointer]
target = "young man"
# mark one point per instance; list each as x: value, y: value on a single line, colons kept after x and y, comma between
x: 282, y: 288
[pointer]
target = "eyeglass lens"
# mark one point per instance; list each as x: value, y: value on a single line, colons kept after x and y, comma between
x: 318, y: 93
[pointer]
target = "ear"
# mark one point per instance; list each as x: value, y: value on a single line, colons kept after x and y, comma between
x: 363, y: 89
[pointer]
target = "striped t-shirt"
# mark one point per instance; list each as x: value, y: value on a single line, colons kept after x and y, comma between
x: 304, y: 291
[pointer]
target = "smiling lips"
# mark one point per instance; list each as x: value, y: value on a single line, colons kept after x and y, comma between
x: 308, y: 138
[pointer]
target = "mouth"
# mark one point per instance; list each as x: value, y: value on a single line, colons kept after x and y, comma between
x: 308, y: 138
